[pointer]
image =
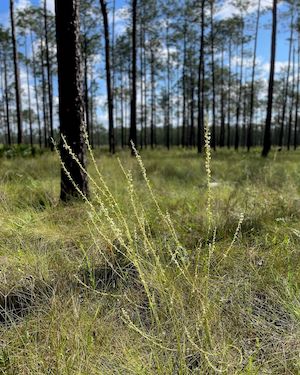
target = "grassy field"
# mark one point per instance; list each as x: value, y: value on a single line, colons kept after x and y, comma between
x: 191, y: 280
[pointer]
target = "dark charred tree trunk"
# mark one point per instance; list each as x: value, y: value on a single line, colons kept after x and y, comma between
x: 222, y: 130
x: 17, y: 74
x: 201, y: 75
x: 213, y: 133
x: 71, y: 104
x: 141, y: 120
x: 28, y: 95
x: 291, y: 104
x: 192, y: 130
x: 49, y: 74
x: 110, y: 99
x: 91, y: 116
x: 168, y: 122
x: 44, y: 97
x: 6, y: 100
x: 145, y: 115
x: 267, y: 134
x: 36, y: 91
x: 297, y: 98
x: 238, y: 107
x: 153, y: 101
x: 133, y: 133
x: 122, y: 112
x: 183, y: 133
x: 86, y: 85
x: 229, y: 97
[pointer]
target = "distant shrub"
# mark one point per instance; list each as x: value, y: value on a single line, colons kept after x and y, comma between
x: 19, y: 151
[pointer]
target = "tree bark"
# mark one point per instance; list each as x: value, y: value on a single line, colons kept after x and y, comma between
x: 238, y: 107
x: 133, y: 134
x: 44, y: 96
x: 229, y: 97
x: 71, y: 103
x: 17, y: 74
x: 267, y: 134
x: 28, y: 94
x: 153, y: 101
x: 297, y: 98
x: 6, y: 100
x: 291, y: 104
x: 213, y: 133
x: 222, y: 130
x: 49, y: 75
x: 183, y: 133
x: 110, y: 100
x: 36, y: 91
x: 201, y: 74
x: 285, y: 97
x: 250, y: 127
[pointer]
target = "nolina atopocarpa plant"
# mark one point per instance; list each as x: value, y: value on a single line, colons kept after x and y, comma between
x: 173, y: 310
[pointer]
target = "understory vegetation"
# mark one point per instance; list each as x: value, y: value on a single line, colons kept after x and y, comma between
x: 186, y: 274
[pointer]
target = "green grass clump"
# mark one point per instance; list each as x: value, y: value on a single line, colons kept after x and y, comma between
x: 169, y: 271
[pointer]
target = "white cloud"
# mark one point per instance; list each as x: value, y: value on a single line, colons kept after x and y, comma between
x: 122, y: 16
x: 22, y: 4
x: 50, y: 5
x: 228, y: 10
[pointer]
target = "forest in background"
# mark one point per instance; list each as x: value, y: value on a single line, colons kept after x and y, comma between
x: 172, y: 65
x: 127, y: 245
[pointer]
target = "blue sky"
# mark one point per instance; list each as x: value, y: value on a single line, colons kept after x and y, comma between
x: 226, y: 11
x: 264, y: 36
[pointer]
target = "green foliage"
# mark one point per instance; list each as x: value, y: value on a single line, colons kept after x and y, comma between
x: 113, y: 289
x: 19, y: 151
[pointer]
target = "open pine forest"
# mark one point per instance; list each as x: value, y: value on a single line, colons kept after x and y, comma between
x: 149, y: 187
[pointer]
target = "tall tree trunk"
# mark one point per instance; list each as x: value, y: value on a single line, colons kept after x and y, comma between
x: 86, y: 85
x: 17, y: 74
x: 28, y: 94
x: 145, y: 90
x: 122, y: 111
x: 213, y: 133
x: 110, y: 100
x: 133, y: 134
x: 153, y: 101
x: 44, y: 97
x: 141, y: 120
x: 222, y: 131
x: 229, y: 96
x: 285, y: 95
x: 192, y: 130
x: 113, y: 58
x: 201, y: 74
x: 291, y: 104
x: 267, y: 133
x: 297, y: 98
x: 71, y: 104
x: 36, y: 90
x: 49, y: 74
x: 250, y: 127
x: 91, y: 117
x: 183, y: 133
x: 178, y: 108
x: 238, y: 107
x: 2, y: 102
x: 168, y: 90
x: 6, y: 99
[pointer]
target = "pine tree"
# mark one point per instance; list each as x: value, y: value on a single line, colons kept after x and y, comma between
x: 71, y: 104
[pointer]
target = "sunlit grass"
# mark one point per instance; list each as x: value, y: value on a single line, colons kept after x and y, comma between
x: 168, y: 305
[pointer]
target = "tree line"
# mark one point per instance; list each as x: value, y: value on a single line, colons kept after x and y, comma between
x: 172, y: 66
